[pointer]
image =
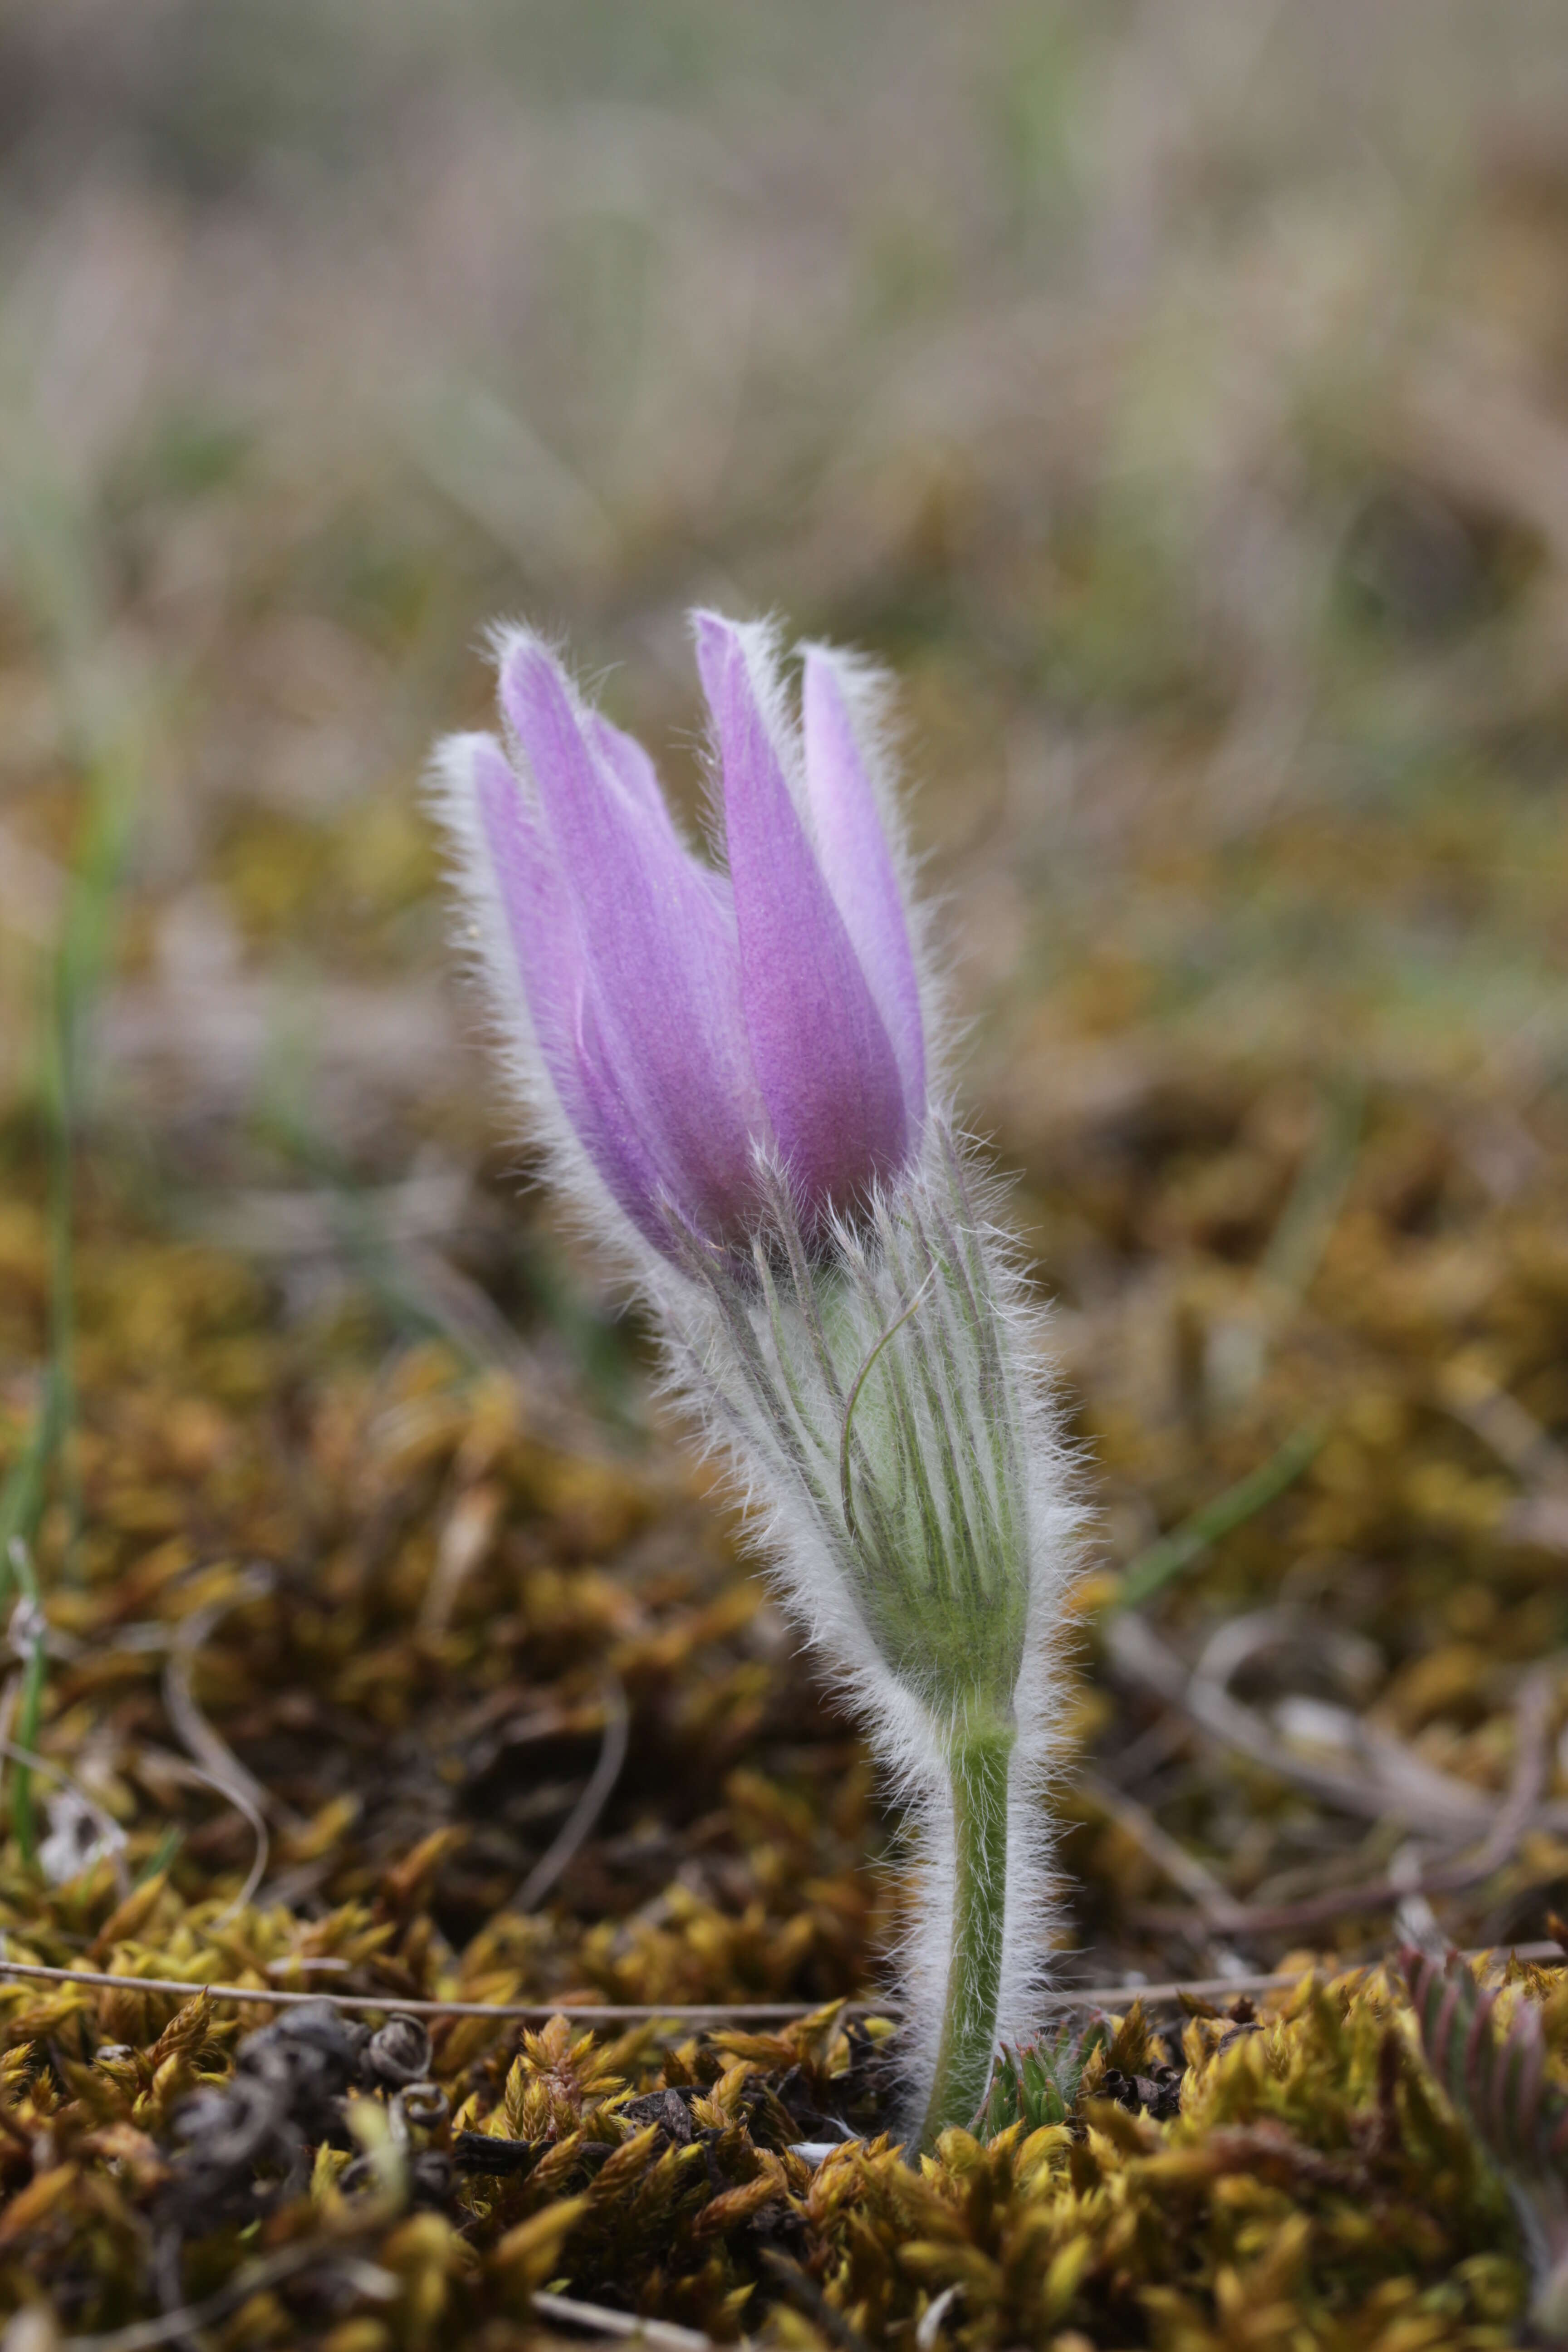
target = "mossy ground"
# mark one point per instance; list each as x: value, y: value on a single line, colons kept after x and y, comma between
x: 1187, y: 431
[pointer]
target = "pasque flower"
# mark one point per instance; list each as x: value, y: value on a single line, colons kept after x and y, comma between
x: 688, y: 1020
x: 730, y: 1065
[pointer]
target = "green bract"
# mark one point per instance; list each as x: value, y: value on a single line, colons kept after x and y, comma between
x: 874, y: 1385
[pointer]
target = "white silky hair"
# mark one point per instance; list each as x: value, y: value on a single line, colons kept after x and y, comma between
x: 783, y: 1438
x: 768, y: 1397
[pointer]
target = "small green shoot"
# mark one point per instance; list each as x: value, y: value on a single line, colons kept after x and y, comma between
x: 1038, y: 2084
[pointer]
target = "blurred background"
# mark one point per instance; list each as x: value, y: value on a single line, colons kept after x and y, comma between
x: 1176, y: 396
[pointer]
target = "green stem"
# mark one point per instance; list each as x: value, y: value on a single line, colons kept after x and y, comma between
x: 62, y: 1287
x: 24, y: 1821
x: 979, y: 1762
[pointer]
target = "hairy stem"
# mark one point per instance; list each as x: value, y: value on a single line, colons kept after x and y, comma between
x: 979, y: 1759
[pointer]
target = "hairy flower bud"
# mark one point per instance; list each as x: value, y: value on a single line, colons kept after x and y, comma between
x: 735, y: 1065
x: 681, y: 1021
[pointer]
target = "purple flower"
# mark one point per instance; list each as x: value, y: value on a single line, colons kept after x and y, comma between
x: 687, y: 1020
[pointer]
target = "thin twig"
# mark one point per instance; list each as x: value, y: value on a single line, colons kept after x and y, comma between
x: 221, y: 1765
x: 1182, y: 1869
x: 1425, y: 1800
x: 579, y: 1823
x: 1090, y: 1995
x: 1120, y: 1996
x: 1533, y: 1758
x: 145, y: 2335
x: 600, y: 2320
x: 1236, y: 1641
x: 389, y: 2003
x: 1533, y: 1721
x: 1520, y: 1443
x: 237, y: 1794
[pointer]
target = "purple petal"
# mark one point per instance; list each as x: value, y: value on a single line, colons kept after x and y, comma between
x: 658, y: 939
x: 822, y: 1053
x: 853, y: 848
x: 629, y: 764
x: 542, y: 927
x: 626, y: 760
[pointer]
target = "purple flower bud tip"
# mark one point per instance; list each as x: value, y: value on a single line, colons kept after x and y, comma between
x: 688, y: 1022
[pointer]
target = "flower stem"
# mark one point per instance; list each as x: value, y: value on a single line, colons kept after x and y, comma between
x: 978, y: 1761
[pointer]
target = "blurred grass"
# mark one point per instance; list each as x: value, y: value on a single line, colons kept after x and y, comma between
x: 1148, y: 387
